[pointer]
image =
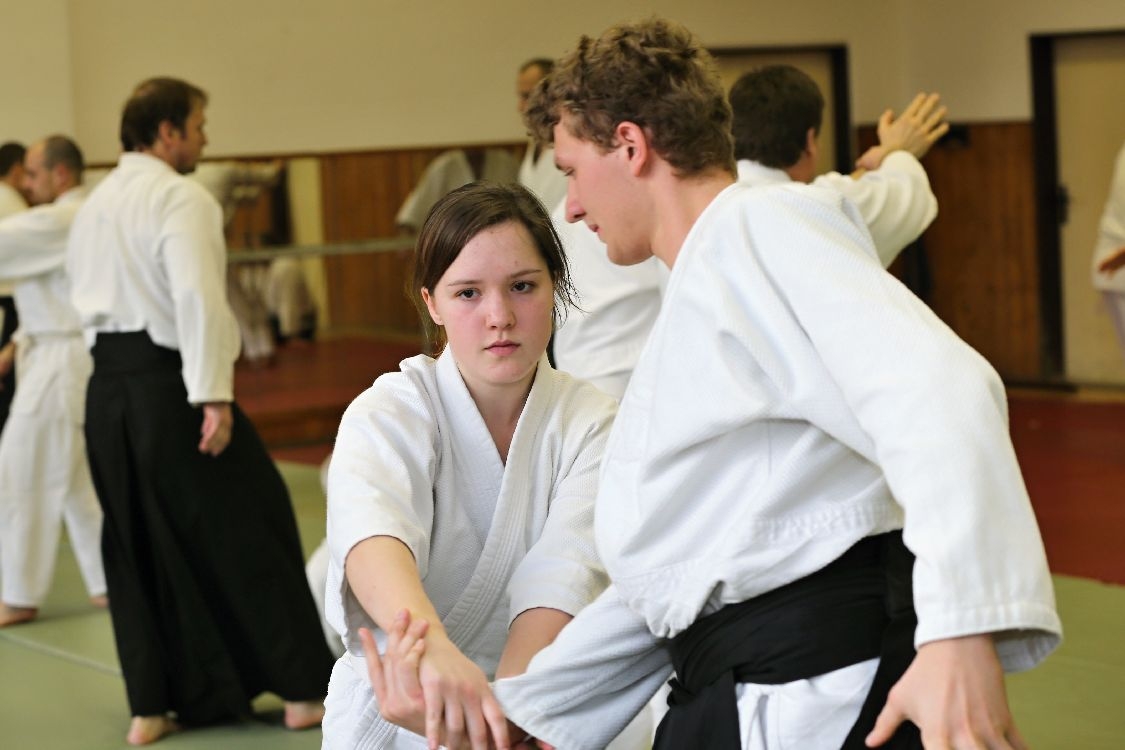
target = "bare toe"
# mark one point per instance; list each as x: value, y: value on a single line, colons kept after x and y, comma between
x: 16, y: 615
x: 303, y: 714
x: 145, y: 730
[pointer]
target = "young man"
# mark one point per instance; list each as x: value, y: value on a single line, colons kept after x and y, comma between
x: 777, y: 114
x: 793, y: 409
x: 44, y: 477
x: 206, y: 581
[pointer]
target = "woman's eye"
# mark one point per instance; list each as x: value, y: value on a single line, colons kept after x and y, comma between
x: 523, y: 286
x: 467, y: 293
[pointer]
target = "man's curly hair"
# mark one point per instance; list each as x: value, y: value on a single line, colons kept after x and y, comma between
x: 652, y: 73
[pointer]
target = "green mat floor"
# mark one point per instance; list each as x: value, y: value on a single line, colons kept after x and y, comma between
x: 60, y: 687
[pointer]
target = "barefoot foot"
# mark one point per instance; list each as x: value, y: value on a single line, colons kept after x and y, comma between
x: 15, y: 615
x: 303, y: 714
x: 148, y: 729
x: 101, y: 601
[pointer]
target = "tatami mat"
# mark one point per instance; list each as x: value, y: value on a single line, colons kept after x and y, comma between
x: 60, y: 687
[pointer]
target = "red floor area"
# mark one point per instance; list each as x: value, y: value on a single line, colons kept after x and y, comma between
x: 1072, y: 452
x: 1073, y: 458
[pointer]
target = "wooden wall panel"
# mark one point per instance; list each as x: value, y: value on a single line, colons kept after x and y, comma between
x: 361, y: 193
x: 981, y: 249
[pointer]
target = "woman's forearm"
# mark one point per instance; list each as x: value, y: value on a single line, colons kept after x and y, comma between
x: 383, y: 574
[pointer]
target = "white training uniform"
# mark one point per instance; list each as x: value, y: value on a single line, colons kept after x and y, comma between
x: 231, y: 183
x: 44, y: 476
x: 169, y: 278
x: 602, y: 341
x: 895, y: 200
x: 541, y: 176
x: 448, y: 171
x: 415, y: 461
x: 617, y: 305
x: 1111, y: 237
x: 793, y: 399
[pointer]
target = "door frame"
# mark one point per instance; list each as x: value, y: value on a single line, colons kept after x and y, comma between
x: 1048, y: 227
x: 840, y: 93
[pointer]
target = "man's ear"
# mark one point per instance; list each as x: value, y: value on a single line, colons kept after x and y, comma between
x: 166, y: 130
x: 634, y: 141
x: 430, y: 306
x: 810, y: 141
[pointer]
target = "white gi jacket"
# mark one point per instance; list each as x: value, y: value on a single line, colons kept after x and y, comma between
x: 43, y: 470
x: 895, y: 200
x: 792, y: 399
x: 147, y: 253
x: 541, y: 176
x: 449, y: 171
x: 617, y: 305
x: 1111, y: 230
x: 32, y: 256
x: 602, y: 341
x: 415, y: 461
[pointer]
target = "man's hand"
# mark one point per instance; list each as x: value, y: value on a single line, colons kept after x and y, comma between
x: 918, y: 128
x: 954, y: 692
x: 1108, y: 266
x: 217, y: 424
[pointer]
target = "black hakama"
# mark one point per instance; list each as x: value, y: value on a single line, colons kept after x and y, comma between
x: 203, y: 562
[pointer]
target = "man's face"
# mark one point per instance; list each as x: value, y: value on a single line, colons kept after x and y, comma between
x: 525, y: 83
x: 186, y: 146
x: 39, y: 184
x: 602, y: 192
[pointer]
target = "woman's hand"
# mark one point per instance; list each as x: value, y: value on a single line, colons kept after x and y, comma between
x: 431, y: 688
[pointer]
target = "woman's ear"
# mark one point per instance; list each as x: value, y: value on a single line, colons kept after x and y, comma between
x: 430, y: 306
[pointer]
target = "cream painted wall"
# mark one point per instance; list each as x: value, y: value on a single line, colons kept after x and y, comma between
x: 294, y: 76
x: 356, y: 74
x: 975, y: 52
x: 35, y: 84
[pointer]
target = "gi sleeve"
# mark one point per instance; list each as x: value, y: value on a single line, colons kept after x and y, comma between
x: 582, y: 690
x: 33, y: 242
x: 936, y: 416
x: 895, y: 201
x: 380, y: 483
x: 193, y: 254
x: 1111, y: 229
x: 561, y: 569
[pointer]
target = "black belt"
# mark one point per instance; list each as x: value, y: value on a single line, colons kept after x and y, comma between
x: 858, y: 607
x: 132, y: 351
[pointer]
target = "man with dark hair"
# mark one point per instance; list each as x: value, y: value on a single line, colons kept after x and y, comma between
x: 798, y: 427
x: 777, y: 115
x: 202, y: 556
x: 44, y: 478
x: 537, y: 170
x: 12, y: 200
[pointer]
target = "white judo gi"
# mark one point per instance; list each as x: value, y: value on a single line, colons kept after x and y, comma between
x: 415, y: 461
x: 449, y: 171
x: 1111, y: 237
x: 793, y: 398
x: 541, y: 176
x: 601, y: 341
x: 895, y: 200
x: 44, y: 476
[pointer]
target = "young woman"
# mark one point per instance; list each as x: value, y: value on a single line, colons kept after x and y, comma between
x: 461, y: 488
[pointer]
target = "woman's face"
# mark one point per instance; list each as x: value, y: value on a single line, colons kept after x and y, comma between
x: 495, y: 302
